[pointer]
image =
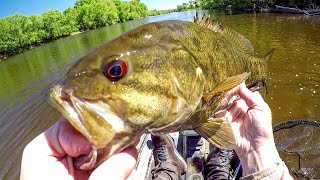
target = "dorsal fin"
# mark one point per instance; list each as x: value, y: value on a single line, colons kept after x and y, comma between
x: 240, y: 40
x: 234, y: 36
x: 208, y: 23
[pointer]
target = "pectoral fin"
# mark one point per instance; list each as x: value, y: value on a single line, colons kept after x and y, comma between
x: 226, y: 85
x: 218, y: 132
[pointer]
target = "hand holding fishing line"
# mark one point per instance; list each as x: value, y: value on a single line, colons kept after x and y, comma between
x: 49, y: 156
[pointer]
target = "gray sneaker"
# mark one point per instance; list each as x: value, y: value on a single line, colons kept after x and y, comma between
x: 164, y: 151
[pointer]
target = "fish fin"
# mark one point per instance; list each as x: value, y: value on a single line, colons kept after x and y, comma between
x: 268, y: 56
x: 239, y: 40
x: 207, y: 22
x: 234, y: 36
x: 196, y: 17
x: 226, y: 85
x: 218, y: 132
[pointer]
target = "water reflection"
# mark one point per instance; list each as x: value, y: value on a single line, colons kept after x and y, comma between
x: 294, y: 68
x: 294, y: 84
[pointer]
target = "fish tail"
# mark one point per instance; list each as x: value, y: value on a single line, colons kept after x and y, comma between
x: 218, y: 132
x: 267, y: 58
x: 259, y: 68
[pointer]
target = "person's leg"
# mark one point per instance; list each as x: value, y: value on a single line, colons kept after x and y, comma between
x: 165, y: 171
x: 218, y: 164
x: 169, y: 164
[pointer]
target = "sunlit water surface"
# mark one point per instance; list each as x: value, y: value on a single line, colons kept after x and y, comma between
x: 294, y: 91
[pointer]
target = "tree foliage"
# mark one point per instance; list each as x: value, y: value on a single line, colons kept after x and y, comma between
x: 94, y: 13
x: 183, y: 7
x: 19, y: 32
x: 157, y: 12
x: 210, y: 4
x: 132, y: 10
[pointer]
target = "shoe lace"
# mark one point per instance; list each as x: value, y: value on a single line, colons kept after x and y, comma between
x: 161, y: 153
x: 225, y: 157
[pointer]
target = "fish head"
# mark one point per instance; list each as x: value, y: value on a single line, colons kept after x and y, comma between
x: 126, y: 87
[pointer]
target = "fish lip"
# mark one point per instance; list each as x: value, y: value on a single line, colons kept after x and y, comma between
x: 61, y: 100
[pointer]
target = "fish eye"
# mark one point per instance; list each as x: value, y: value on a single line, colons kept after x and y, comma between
x: 115, y: 70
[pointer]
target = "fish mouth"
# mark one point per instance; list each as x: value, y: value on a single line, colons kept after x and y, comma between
x: 95, y: 119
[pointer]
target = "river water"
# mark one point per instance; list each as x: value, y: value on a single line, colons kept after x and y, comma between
x: 294, y: 85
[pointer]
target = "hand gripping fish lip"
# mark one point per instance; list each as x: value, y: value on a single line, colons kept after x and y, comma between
x: 74, y: 108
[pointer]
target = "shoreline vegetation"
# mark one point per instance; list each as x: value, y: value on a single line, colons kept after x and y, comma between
x: 19, y: 33
x: 307, y: 7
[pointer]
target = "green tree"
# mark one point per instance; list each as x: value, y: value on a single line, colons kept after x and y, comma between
x: 132, y: 10
x: 183, y: 7
x: 38, y: 33
x: 108, y: 13
x: 238, y: 4
x: 137, y: 9
x: 53, y: 25
x: 123, y: 10
x: 5, y: 37
x: 19, y: 32
x: 69, y: 20
x: 80, y: 3
x: 97, y: 14
x: 15, y: 33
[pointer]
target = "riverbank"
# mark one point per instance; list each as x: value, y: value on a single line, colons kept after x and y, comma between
x: 275, y: 6
x: 20, y: 33
x: 283, y: 9
x: 312, y: 10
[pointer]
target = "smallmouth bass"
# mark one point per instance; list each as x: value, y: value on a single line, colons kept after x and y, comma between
x: 157, y: 78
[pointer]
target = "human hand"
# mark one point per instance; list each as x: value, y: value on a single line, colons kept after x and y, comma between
x: 49, y: 156
x: 251, y: 123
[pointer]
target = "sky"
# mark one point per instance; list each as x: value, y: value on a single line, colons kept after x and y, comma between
x: 33, y: 7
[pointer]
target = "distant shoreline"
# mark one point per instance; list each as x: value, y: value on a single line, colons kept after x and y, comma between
x: 3, y: 57
x: 278, y: 9
x: 20, y: 33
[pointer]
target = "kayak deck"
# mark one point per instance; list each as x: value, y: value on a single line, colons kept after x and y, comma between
x: 191, y: 146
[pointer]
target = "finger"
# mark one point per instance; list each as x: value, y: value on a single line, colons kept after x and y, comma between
x: 234, y: 108
x: 222, y: 113
x: 238, y: 110
x: 117, y: 167
x: 63, y: 140
x: 72, y: 141
x: 251, y: 99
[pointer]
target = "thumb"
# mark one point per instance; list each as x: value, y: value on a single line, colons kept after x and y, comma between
x: 251, y: 99
x: 117, y: 167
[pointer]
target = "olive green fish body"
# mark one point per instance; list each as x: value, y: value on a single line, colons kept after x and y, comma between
x: 203, y: 59
x: 158, y: 78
